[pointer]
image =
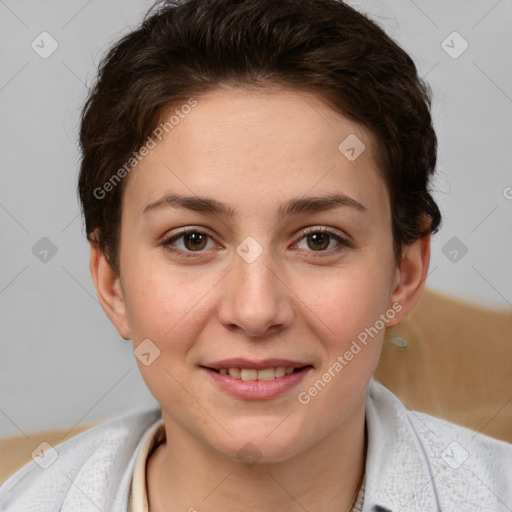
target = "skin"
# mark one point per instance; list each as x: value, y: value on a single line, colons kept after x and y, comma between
x: 253, y: 151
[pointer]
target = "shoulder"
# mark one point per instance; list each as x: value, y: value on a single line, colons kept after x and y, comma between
x: 94, y: 465
x: 467, y: 464
x: 461, y: 466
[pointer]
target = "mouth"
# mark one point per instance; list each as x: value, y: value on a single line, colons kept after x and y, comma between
x: 262, y: 383
x: 253, y: 374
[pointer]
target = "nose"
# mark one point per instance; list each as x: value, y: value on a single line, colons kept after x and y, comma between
x: 256, y: 299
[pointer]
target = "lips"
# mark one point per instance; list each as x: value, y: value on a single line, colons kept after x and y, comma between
x: 257, y: 384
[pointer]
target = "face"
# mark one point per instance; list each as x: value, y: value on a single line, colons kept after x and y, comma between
x: 298, y: 284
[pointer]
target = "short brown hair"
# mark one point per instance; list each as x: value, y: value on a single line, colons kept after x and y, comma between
x: 186, y: 48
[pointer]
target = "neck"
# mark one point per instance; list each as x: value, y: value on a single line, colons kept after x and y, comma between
x: 186, y: 475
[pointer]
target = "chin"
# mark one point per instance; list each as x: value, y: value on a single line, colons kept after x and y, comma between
x: 259, y: 448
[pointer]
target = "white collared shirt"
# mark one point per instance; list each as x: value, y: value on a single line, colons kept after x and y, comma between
x: 415, y: 463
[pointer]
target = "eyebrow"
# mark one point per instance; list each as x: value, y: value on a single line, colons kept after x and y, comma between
x: 294, y: 206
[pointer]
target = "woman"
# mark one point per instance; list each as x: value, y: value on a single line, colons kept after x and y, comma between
x: 255, y: 185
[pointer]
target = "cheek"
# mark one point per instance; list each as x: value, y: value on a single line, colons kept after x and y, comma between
x: 164, y: 307
x: 161, y: 298
x: 347, y: 299
x: 346, y: 316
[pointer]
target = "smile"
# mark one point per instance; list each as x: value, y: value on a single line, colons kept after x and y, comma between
x: 253, y: 384
x: 261, y: 375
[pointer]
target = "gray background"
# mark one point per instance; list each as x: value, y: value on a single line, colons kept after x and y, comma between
x: 62, y: 363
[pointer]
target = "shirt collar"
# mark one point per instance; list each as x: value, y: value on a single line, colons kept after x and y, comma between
x: 398, y: 475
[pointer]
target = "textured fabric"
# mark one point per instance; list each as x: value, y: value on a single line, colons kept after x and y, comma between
x: 419, y: 463
x: 414, y: 463
x: 92, y: 472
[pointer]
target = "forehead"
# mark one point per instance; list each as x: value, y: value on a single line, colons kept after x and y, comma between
x: 249, y: 148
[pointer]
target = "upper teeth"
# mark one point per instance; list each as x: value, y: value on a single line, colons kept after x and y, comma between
x: 252, y: 374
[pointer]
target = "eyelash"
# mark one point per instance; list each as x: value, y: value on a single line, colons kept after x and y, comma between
x: 343, y: 243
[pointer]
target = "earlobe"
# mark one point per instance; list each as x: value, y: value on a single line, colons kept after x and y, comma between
x: 109, y: 290
x: 410, y: 278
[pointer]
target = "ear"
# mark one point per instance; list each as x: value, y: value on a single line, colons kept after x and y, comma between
x: 108, y: 290
x: 410, y: 278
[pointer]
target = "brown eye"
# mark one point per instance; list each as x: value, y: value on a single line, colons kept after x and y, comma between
x: 319, y: 240
x: 194, y: 241
x: 189, y: 241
